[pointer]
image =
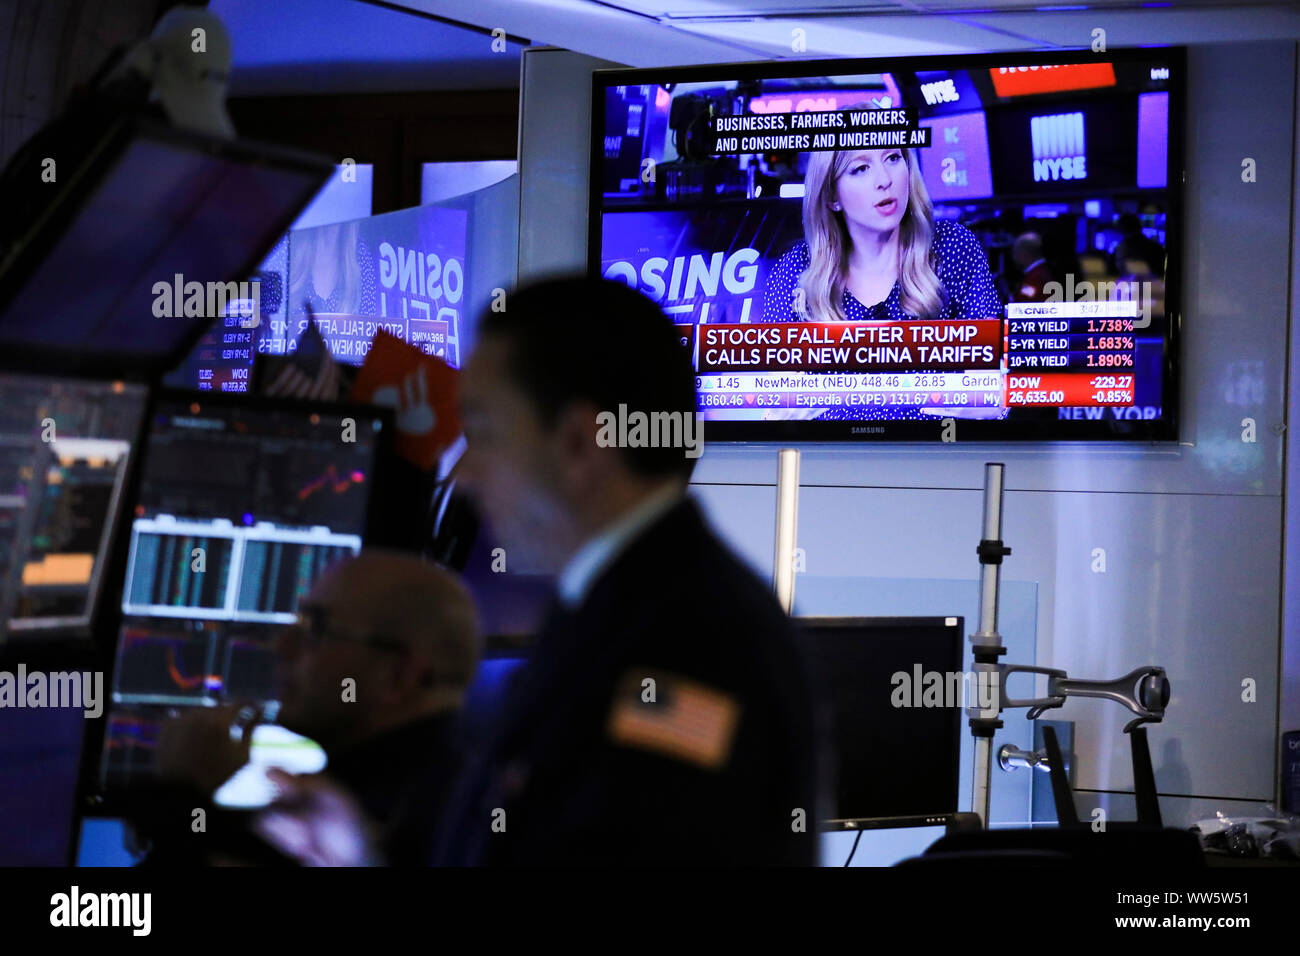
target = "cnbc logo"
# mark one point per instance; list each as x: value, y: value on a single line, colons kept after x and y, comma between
x: 1058, y: 145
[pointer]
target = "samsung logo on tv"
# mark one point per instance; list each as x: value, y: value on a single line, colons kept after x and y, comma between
x: 1058, y: 146
x: 864, y: 430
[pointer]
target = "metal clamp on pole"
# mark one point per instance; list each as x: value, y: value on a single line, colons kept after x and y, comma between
x: 1144, y: 691
x: 1011, y: 757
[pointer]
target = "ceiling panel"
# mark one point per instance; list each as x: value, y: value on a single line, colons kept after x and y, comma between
x: 682, y: 9
x: 863, y: 37
x: 688, y: 9
x: 285, y: 46
x: 1144, y: 27
x: 282, y: 47
x: 597, y: 29
x: 666, y: 32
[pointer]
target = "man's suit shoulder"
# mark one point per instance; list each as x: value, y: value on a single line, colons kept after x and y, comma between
x: 685, y: 597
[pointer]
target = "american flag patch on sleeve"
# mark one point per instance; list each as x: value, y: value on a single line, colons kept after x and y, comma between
x: 675, y: 717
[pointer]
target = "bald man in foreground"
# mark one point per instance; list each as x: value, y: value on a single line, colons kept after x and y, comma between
x: 406, y: 634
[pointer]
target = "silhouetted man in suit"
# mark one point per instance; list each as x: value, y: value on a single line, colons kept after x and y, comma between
x: 665, y: 716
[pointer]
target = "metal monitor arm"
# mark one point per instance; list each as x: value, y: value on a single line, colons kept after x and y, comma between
x: 1144, y: 690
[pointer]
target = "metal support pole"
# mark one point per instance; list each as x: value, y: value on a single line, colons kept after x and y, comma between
x: 987, y: 641
x: 787, y: 526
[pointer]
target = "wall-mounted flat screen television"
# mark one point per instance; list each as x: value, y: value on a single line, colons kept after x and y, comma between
x: 980, y: 247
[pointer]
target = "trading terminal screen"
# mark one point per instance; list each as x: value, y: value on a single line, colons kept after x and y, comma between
x: 65, y: 445
x: 241, y: 508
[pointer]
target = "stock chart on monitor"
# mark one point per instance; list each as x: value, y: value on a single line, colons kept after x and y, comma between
x: 242, y: 506
x: 65, y: 446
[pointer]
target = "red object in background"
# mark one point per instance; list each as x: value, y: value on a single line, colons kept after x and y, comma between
x: 1025, y: 81
x: 1031, y: 286
x: 687, y: 334
x: 1080, y: 389
x: 422, y: 388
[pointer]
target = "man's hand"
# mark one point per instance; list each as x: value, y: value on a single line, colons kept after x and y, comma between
x: 317, y: 822
x: 196, y: 748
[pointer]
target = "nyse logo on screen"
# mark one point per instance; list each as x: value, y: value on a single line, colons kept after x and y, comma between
x: 1058, y: 147
x: 940, y: 91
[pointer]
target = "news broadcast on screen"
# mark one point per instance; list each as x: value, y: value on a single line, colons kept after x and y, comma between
x: 1035, y: 199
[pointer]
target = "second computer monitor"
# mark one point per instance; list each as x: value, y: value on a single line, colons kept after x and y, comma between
x: 243, y: 504
x: 65, y: 448
x: 896, y: 690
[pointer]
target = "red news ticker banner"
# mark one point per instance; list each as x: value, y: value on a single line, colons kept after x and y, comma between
x: 1024, y: 81
x: 956, y: 346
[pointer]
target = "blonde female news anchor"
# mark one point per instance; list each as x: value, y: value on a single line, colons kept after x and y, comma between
x: 872, y: 250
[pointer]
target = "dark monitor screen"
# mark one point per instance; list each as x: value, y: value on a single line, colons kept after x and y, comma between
x: 134, y: 256
x: 242, y: 505
x: 898, y: 748
x: 64, y: 450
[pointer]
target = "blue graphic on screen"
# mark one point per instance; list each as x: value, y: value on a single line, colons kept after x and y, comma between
x: 957, y: 165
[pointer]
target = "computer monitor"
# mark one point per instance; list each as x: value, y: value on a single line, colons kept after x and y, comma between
x: 897, y: 739
x: 242, y: 505
x: 65, y: 448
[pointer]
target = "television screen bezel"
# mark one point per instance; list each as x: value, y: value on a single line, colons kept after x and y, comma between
x: 1165, y: 429
x: 41, y: 238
